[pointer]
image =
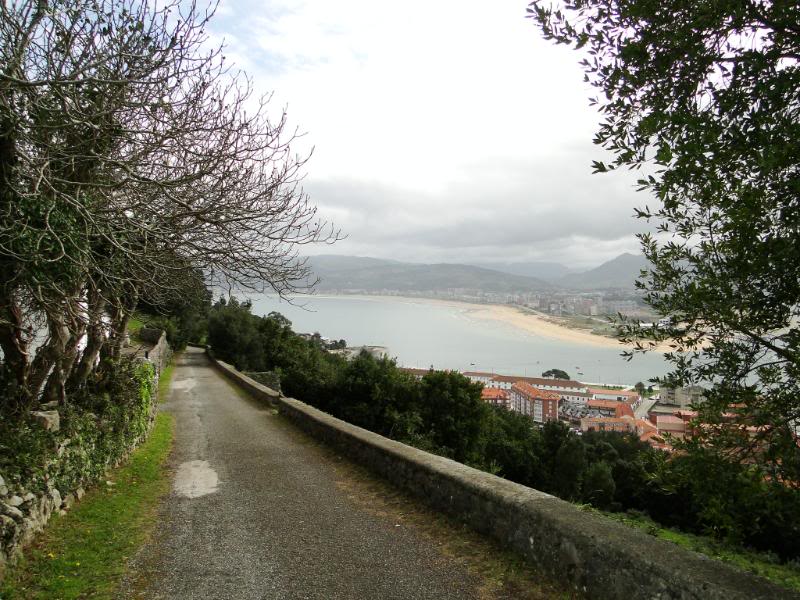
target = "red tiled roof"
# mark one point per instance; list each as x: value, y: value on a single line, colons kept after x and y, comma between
x: 623, y: 409
x: 574, y: 393
x: 587, y: 422
x: 539, y: 381
x: 645, y: 426
x: 493, y: 393
x: 533, y: 392
x: 607, y: 392
x: 603, y: 404
x: 668, y: 419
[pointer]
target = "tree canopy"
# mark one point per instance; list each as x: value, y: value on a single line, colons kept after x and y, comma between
x: 556, y: 373
x: 703, y: 98
x: 128, y: 165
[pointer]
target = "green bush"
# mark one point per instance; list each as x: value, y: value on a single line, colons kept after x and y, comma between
x: 98, y: 428
x: 694, y: 490
x: 597, y: 485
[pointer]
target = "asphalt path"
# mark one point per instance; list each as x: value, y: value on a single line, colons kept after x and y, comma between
x: 258, y: 510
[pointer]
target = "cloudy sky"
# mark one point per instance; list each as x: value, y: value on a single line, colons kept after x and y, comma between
x: 444, y: 131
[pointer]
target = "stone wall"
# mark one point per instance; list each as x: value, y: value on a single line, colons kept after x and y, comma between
x: 160, y: 353
x: 597, y: 556
x: 77, y: 448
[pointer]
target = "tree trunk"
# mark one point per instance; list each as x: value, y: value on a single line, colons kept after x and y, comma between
x: 14, y: 340
x: 95, y: 339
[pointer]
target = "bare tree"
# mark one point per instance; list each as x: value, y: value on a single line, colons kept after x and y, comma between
x: 129, y: 151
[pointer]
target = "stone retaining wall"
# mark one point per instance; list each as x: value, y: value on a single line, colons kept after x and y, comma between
x: 24, y: 512
x: 160, y: 353
x: 599, y: 557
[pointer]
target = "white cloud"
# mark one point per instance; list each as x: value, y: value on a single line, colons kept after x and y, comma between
x: 437, y: 125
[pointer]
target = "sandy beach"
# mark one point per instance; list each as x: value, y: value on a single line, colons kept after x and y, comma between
x: 510, y: 315
x: 540, y: 326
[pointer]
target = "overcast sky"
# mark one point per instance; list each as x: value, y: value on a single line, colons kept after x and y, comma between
x: 443, y: 131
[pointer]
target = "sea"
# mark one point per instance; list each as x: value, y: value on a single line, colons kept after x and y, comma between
x: 424, y: 334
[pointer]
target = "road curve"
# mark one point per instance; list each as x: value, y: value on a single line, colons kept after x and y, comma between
x: 258, y: 510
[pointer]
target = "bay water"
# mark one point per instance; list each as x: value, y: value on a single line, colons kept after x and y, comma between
x: 422, y: 334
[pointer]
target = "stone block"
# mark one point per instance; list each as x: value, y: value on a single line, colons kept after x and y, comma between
x: 48, y: 419
x: 11, y: 511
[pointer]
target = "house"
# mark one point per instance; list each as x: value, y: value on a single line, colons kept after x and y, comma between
x: 623, y: 409
x: 540, y: 405
x: 479, y: 377
x: 629, y: 396
x: 646, y: 431
x: 604, y: 408
x: 619, y: 425
x: 574, y: 398
x: 683, y: 397
x: 416, y: 373
x: 669, y: 424
x: 496, y: 397
x: 505, y: 382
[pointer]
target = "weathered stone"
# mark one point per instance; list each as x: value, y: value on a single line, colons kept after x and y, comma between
x: 45, y: 508
x: 62, y: 446
x: 48, y: 419
x: 26, y: 533
x: 23, y: 513
x: 6, y: 525
x: 11, y: 511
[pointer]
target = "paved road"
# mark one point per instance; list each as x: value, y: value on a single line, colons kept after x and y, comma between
x: 642, y: 410
x: 258, y: 510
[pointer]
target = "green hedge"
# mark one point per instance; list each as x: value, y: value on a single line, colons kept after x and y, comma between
x: 97, y: 429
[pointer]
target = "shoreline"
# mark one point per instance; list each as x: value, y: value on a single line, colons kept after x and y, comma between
x: 514, y: 316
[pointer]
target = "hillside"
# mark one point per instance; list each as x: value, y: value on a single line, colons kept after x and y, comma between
x: 619, y: 272
x: 547, y: 271
x: 338, y: 273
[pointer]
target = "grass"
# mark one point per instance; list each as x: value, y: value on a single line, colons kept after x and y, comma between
x: 135, y: 324
x: 84, y: 553
x: 760, y: 563
x: 165, y: 380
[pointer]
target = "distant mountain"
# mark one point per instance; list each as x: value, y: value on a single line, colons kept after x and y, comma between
x: 619, y: 272
x: 373, y: 275
x: 548, y: 271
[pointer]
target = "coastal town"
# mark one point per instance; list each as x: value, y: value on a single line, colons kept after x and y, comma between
x: 655, y: 417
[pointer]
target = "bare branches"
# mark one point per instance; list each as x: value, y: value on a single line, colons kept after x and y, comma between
x: 129, y: 152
